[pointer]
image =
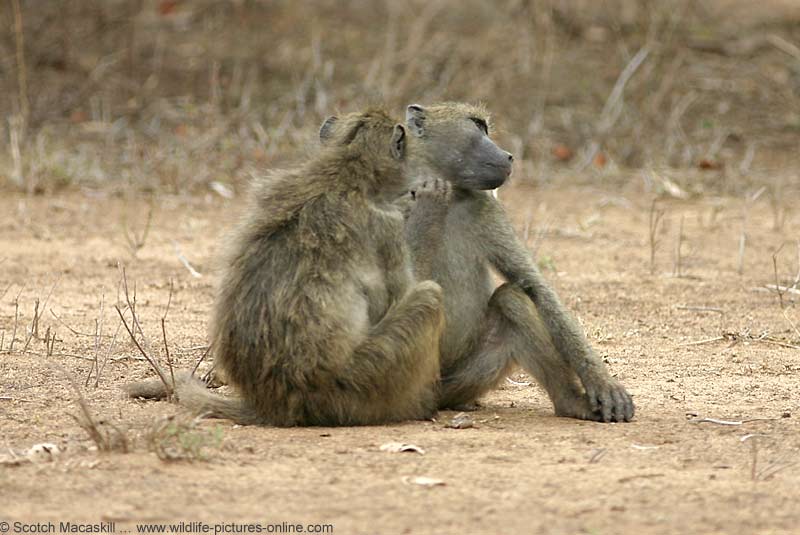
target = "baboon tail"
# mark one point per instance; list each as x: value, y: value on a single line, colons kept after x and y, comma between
x: 193, y: 394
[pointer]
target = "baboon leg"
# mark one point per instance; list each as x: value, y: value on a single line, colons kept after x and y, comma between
x: 485, y: 365
x: 397, y: 365
x: 515, y: 334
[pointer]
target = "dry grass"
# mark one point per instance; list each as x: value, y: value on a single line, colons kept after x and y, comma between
x: 179, y: 96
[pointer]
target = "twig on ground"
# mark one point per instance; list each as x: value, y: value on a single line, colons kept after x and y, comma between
x: 642, y: 476
x: 164, y: 333
x: 517, y: 383
x: 107, y: 355
x: 34, y: 325
x: 597, y: 454
x: 104, y: 441
x: 678, y: 270
x: 775, y: 288
x: 791, y: 323
x: 192, y: 271
x: 774, y: 342
x: 70, y: 329
x: 150, y: 361
x: 193, y: 348
x: 201, y: 359
x: 735, y: 422
x: 775, y: 270
x: 748, y: 202
x: 742, y: 245
x: 771, y: 288
x: 137, y: 242
x: 132, y: 305
x: 700, y: 309
x: 22, y: 400
x: 704, y: 341
x: 655, y: 220
x: 16, y: 323
x: 50, y: 345
x: 754, y: 450
x: 98, y: 333
x: 719, y: 422
x: 772, y: 467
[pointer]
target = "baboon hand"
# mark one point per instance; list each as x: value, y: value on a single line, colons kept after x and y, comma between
x: 609, y: 400
x: 435, y: 191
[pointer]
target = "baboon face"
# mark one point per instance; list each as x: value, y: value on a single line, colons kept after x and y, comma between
x: 454, y: 140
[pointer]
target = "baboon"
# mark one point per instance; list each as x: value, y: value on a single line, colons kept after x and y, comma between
x: 318, y: 319
x: 455, y: 238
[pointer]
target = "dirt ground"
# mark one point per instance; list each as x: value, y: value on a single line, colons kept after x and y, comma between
x: 709, y: 344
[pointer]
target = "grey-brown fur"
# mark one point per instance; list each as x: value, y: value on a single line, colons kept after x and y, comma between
x: 455, y: 239
x: 319, y: 320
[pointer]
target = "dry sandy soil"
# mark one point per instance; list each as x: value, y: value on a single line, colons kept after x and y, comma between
x: 711, y: 343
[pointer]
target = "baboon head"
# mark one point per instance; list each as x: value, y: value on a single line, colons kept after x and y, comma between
x: 373, y: 138
x: 453, y: 140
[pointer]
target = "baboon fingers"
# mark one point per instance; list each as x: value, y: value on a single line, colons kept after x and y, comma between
x: 611, y: 402
x: 619, y: 406
x: 626, y: 407
x: 436, y: 190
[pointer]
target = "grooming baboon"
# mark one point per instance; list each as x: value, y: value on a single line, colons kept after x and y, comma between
x: 318, y: 320
x: 455, y: 239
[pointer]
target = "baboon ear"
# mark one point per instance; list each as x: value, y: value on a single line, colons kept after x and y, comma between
x: 398, y: 147
x: 326, y: 130
x: 415, y: 119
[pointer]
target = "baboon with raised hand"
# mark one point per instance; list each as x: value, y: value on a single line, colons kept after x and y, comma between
x: 455, y: 238
x: 319, y: 320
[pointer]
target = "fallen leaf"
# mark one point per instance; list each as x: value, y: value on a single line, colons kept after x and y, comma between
x: 672, y: 189
x: 223, y: 190
x: 423, y: 481
x: 562, y: 152
x: 397, y: 447
x: 43, y: 453
x: 167, y: 7
x: 461, y: 420
x: 78, y: 116
x: 706, y: 164
x: 600, y: 160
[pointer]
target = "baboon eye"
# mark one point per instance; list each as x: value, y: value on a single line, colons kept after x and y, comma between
x: 480, y: 123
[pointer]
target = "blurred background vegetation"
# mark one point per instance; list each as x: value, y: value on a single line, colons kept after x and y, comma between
x: 676, y: 96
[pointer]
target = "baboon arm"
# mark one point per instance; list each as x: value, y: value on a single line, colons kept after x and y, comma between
x: 514, y: 262
x: 424, y: 235
x: 426, y: 222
